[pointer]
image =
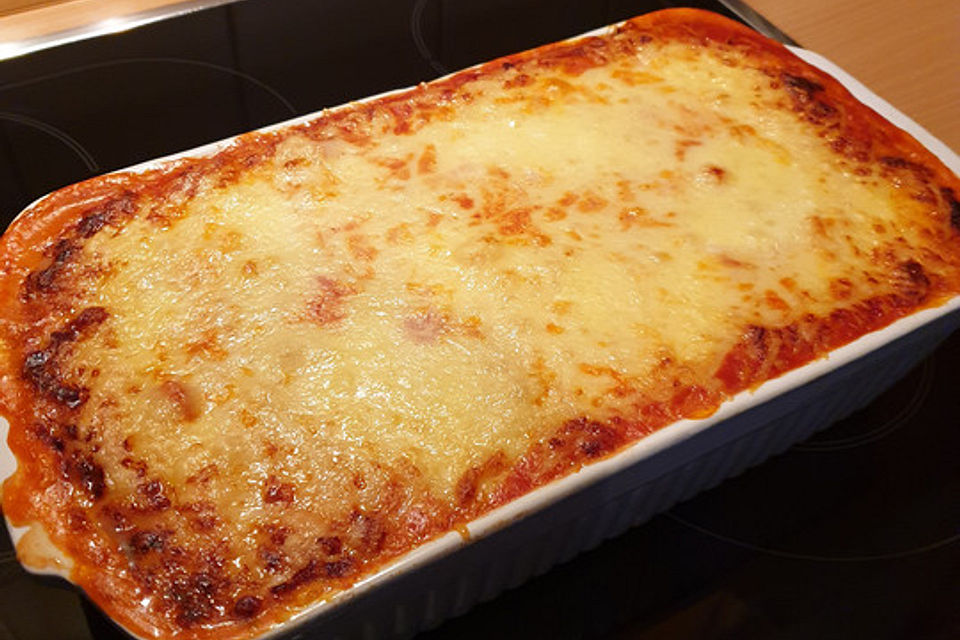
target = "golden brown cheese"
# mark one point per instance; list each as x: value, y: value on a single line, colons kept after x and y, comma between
x: 238, y: 383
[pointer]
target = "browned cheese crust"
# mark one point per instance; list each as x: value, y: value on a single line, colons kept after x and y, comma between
x: 156, y: 549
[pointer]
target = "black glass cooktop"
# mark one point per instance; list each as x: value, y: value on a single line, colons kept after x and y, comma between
x: 853, y: 534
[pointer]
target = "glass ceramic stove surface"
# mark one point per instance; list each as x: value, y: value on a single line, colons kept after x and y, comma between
x: 853, y: 534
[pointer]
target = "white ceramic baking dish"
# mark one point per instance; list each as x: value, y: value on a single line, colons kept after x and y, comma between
x: 509, y: 545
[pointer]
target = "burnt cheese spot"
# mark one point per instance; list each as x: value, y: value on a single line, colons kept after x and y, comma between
x: 338, y: 568
x: 517, y: 81
x: 64, y: 253
x: 275, y: 491
x: 139, y: 467
x: 152, y: 496
x: 110, y: 213
x: 193, y: 596
x: 247, y: 606
x: 88, y: 319
x: 954, y: 206
x: 55, y: 436
x: 204, y: 522
x: 312, y: 571
x: 78, y: 521
x: 42, y: 368
x: 916, y: 283
x: 897, y: 162
x: 45, y: 280
x: 804, y: 93
x: 273, y: 559
x: 84, y: 471
x: 821, y: 111
x: 717, y: 173
x: 331, y: 545
x: 91, y: 224
x: 591, y: 437
x: 143, y: 542
x: 277, y: 534
x: 800, y: 87
x: 308, y: 573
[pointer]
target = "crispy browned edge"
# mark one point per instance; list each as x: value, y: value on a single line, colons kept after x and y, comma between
x: 851, y: 129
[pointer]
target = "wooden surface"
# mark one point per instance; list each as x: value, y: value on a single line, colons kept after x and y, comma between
x: 907, y: 51
x: 25, y: 20
x: 13, y: 6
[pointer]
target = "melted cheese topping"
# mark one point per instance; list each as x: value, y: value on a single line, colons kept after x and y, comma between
x: 392, y: 301
x: 346, y: 332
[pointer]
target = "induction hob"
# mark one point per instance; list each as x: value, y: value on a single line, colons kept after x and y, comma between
x: 852, y: 534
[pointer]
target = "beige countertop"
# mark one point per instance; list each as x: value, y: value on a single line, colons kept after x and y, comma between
x: 906, y: 51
